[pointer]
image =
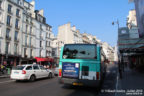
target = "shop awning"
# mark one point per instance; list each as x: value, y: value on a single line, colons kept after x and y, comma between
x: 39, y: 59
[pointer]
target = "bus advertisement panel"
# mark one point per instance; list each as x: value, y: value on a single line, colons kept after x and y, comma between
x: 70, y: 70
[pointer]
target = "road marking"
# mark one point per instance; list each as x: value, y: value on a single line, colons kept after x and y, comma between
x: 6, y: 81
x: 117, y: 78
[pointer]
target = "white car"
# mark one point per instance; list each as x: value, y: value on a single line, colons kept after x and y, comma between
x: 30, y: 72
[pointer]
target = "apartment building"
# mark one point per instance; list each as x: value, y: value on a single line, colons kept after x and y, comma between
x: 10, y: 30
x: 88, y: 38
x: 24, y: 33
x: 68, y: 34
x: 109, y: 51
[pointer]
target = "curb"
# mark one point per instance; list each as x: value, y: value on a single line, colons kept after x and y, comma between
x: 5, y: 76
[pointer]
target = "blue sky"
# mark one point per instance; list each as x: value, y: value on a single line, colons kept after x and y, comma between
x: 91, y: 16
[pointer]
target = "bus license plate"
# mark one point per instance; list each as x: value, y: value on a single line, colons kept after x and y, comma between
x: 78, y: 84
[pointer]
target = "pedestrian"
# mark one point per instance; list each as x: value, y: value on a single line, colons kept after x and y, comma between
x: 2, y: 69
x: 120, y: 69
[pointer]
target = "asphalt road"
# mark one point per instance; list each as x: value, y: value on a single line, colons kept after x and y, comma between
x: 51, y: 87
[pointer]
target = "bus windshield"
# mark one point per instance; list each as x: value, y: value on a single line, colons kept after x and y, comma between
x: 79, y: 51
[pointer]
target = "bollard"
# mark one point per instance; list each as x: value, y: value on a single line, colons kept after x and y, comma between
x: 8, y: 71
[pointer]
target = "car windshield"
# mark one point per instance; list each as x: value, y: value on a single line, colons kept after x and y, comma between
x: 18, y: 68
x: 80, y: 51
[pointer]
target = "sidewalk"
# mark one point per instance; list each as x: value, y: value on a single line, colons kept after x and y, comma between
x: 132, y: 83
x: 4, y: 76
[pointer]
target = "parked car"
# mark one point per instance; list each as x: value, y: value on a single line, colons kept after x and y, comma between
x: 30, y: 72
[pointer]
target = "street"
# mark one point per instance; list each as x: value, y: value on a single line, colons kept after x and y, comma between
x: 51, y: 87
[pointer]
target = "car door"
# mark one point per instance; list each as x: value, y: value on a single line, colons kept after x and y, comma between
x: 37, y: 71
x: 44, y: 71
x: 29, y: 71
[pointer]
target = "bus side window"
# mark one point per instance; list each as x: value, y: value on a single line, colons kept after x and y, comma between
x: 85, y: 70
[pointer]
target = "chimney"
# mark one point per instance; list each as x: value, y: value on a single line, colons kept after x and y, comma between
x: 78, y: 30
x: 74, y: 28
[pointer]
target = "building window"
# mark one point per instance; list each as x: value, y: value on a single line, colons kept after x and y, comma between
x: 26, y: 40
x: 16, y: 35
x: 17, y: 12
x: 0, y: 32
x: 8, y: 20
x: 41, y: 27
x: 49, y: 43
x: 9, y: 8
x: 31, y: 51
x: 25, y: 51
x: 30, y: 30
x: 40, y: 43
x: 17, y: 23
x: 7, y: 47
x: 0, y: 46
x: 30, y: 41
x: 0, y: 4
x: 53, y: 53
x: 40, y: 53
x: 15, y: 48
x: 7, y: 33
x: 46, y: 43
x: 26, y: 28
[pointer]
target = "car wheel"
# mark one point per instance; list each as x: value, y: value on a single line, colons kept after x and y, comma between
x: 32, y: 78
x: 50, y: 75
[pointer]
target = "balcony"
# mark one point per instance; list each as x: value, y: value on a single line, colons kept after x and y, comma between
x: 25, y: 56
x: 17, y: 27
x: 18, y: 15
x: 31, y: 46
x: 9, y: 25
x: 8, y: 38
x: 16, y: 40
x: 48, y: 46
x: 16, y: 53
x: 10, y: 12
x: 25, y: 45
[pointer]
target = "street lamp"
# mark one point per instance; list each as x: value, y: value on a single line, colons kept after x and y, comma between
x: 120, y: 61
x: 117, y: 22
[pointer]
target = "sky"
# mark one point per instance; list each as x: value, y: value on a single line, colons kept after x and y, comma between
x: 91, y: 16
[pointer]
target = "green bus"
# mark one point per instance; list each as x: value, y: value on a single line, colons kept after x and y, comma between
x: 82, y: 64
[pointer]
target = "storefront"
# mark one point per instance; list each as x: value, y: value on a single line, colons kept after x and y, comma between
x: 45, y: 61
x: 9, y: 60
